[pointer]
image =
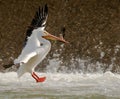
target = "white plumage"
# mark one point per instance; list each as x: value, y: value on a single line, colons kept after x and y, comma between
x: 34, y: 52
x: 36, y: 45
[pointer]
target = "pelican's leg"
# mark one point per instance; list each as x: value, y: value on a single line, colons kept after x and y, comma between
x: 38, y: 79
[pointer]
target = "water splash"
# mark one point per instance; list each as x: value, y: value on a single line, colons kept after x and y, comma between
x: 106, y: 84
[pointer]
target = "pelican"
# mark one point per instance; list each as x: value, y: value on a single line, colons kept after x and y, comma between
x: 36, y: 46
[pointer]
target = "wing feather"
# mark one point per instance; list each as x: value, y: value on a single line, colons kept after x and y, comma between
x: 40, y: 17
x: 39, y: 20
x: 24, y: 58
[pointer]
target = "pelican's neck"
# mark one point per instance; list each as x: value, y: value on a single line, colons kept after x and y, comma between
x: 45, y: 42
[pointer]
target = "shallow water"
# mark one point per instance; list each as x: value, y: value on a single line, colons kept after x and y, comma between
x: 60, y: 86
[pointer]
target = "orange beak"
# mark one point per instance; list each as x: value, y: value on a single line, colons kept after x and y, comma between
x: 52, y: 37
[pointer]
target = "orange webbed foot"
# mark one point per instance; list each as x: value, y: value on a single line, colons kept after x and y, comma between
x: 38, y: 79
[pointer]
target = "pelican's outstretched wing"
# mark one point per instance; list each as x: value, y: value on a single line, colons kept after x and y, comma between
x: 40, y: 17
x: 28, y: 51
x: 39, y: 20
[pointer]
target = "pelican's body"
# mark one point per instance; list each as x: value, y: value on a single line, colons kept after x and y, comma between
x: 34, y: 52
x: 36, y: 46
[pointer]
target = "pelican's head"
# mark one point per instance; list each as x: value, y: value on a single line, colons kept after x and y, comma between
x: 39, y: 22
x: 49, y: 36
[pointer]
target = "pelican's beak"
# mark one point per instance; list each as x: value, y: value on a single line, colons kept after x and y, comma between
x: 52, y: 37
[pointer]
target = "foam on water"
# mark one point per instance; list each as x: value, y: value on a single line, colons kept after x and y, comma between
x: 107, y: 84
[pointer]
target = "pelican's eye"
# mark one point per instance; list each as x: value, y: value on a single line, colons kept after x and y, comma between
x: 41, y: 44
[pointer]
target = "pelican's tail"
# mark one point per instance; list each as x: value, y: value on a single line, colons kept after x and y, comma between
x: 21, y: 70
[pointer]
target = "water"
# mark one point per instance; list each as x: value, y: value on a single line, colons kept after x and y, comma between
x: 60, y: 86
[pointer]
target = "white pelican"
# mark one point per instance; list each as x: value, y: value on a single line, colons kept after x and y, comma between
x: 36, y: 46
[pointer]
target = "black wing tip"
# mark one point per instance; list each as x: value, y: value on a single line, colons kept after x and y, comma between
x: 40, y: 17
x: 63, y: 29
x: 46, y: 8
x: 43, y: 9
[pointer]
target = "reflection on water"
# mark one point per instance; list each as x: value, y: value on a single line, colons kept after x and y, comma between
x: 60, y: 86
